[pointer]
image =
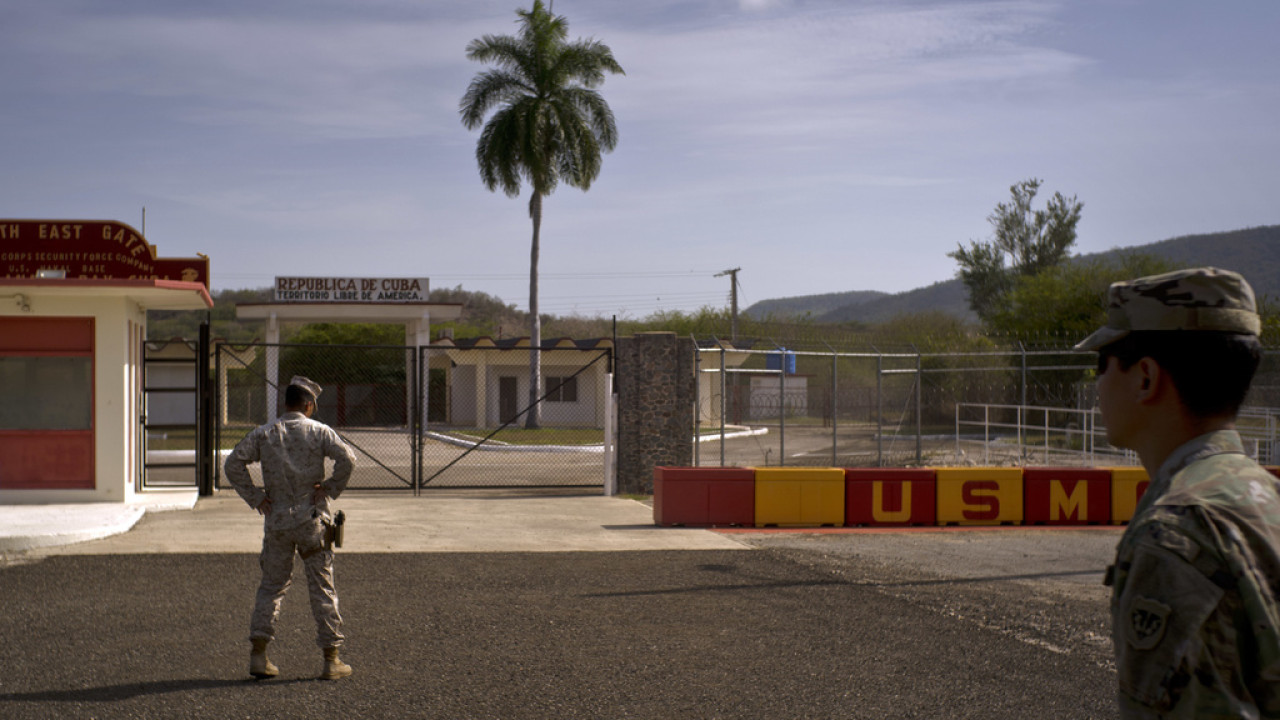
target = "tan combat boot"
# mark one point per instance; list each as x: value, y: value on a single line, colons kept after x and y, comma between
x: 334, y: 668
x: 259, y: 665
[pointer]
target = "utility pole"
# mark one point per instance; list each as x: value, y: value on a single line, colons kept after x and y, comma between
x: 733, y: 299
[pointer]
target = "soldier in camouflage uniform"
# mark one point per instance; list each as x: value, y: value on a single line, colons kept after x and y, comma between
x: 1194, y: 609
x: 294, y: 501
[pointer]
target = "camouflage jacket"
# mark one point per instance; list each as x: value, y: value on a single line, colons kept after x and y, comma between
x: 1195, y: 617
x: 292, y: 451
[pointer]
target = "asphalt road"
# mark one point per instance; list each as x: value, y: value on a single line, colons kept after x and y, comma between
x: 947, y: 624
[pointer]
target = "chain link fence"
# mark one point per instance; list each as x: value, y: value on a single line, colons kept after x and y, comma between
x: 436, y: 416
x: 1018, y: 405
x: 476, y: 429
x: 367, y: 397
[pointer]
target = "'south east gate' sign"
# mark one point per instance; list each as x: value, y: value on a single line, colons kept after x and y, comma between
x: 92, y: 249
x: 351, y: 290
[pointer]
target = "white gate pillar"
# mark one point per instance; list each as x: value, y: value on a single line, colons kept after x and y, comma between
x: 273, y: 367
x: 417, y: 334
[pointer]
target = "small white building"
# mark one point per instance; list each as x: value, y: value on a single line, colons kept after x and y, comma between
x: 488, y: 380
x: 769, y: 394
x: 74, y: 297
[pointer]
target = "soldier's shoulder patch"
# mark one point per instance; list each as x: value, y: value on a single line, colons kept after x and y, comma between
x: 1171, y: 532
x: 1148, y: 620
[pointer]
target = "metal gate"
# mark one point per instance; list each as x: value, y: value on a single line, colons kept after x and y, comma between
x: 367, y: 397
x: 475, y: 431
x: 174, y: 447
x: 436, y: 416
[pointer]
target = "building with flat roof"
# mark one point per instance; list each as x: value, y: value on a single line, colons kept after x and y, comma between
x: 74, y: 297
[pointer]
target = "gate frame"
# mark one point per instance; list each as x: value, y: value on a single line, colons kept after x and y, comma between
x: 202, y: 459
x: 417, y: 406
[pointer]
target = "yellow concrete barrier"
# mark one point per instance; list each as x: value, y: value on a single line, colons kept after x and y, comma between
x: 979, y: 496
x: 1127, y: 486
x: 799, y: 497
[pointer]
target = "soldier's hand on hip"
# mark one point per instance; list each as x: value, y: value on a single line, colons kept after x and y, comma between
x: 264, y: 507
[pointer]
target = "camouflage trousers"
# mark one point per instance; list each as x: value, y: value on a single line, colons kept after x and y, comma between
x: 278, y: 548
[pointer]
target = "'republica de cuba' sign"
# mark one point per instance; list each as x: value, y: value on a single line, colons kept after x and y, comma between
x: 351, y: 290
x: 89, y: 249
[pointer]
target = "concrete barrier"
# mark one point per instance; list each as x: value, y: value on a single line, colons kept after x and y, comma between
x: 799, y: 497
x: 1127, y: 486
x: 704, y: 497
x: 979, y: 496
x: 890, y: 496
x: 1066, y: 496
x: 815, y: 497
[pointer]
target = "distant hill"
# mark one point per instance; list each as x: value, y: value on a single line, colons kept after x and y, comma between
x: 949, y: 296
x: 1253, y: 252
x: 815, y: 305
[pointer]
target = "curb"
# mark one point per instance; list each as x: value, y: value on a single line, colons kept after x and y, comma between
x: 113, y: 522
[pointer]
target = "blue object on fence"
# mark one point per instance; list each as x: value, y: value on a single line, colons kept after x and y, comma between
x: 773, y: 361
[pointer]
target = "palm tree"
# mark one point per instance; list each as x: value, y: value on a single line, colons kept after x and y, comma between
x: 550, y: 126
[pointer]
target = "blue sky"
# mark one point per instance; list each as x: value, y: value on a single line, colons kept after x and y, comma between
x: 820, y: 145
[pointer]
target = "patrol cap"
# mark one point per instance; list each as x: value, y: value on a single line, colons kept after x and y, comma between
x: 1197, y: 299
x: 307, y: 385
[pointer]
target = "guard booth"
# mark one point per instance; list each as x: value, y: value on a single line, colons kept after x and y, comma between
x: 74, y: 296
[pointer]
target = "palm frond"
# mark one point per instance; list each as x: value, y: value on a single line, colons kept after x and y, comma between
x: 488, y: 90
x: 498, y: 152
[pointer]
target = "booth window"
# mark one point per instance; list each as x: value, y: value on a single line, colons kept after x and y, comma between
x: 46, y: 393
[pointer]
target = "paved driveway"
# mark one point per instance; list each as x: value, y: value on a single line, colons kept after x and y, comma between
x: 949, y: 624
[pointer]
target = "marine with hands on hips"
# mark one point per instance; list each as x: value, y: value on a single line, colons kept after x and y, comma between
x: 294, y: 502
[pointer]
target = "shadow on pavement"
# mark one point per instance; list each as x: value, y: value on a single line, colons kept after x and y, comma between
x: 112, y: 693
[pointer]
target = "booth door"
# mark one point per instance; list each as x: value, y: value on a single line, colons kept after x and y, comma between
x: 46, y: 403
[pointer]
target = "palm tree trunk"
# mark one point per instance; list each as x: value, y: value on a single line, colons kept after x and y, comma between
x: 533, y: 419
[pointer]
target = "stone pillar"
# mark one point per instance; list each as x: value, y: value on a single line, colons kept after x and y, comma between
x: 656, y: 388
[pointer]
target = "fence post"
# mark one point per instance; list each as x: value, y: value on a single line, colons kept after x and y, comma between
x: 722, y: 402
x: 697, y: 401
x: 413, y: 370
x: 1022, y: 450
x: 919, y: 392
x: 219, y: 410
x: 835, y: 394
x: 879, y: 409
x: 610, y: 475
x: 986, y: 433
x: 782, y: 409
x: 957, y: 433
x: 1046, y: 436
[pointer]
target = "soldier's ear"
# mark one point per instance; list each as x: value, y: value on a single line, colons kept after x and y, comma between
x: 1150, y: 378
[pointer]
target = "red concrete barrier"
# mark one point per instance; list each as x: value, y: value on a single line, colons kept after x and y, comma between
x: 704, y: 496
x: 1066, y: 496
x: 890, y: 496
